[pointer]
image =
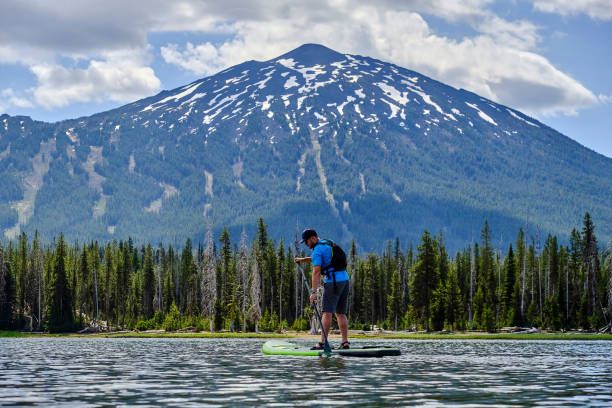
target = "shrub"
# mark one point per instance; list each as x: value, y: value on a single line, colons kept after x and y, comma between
x: 300, y: 324
x: 172, y: 322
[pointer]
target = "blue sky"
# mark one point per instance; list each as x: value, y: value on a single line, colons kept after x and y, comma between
x: 548, y: 58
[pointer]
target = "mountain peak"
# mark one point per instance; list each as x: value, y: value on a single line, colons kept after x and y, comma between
x: 311, y: 54
x: 375, y: 150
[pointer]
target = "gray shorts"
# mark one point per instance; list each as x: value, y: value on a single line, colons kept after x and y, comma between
x: 336, y: 302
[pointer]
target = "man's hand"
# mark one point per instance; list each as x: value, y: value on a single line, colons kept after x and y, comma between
x: 313, y: 297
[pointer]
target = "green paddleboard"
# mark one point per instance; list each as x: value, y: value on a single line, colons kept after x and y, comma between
x: 284, y: 348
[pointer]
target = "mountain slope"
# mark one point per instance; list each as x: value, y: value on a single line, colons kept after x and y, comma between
x: 350, y: 145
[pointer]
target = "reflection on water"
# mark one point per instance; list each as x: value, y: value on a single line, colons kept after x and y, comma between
x: 196, y: 372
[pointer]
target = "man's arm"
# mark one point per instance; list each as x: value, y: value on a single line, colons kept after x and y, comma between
x: 298, y: 260
x: 316, y: 277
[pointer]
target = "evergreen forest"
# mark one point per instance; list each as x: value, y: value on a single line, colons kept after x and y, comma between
x: 255, y: 286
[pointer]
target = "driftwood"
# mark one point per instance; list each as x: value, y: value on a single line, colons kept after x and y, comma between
x: 95, y: 327
x: 189, y: 329
x: 519, y: 330
x: 606, y: 329
x: 89, y: 329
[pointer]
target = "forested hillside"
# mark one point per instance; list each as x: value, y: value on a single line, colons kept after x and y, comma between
x: 241, y: 286
x: 348, y: 144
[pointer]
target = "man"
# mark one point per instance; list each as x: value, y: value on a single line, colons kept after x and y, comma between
x: 335, y: 295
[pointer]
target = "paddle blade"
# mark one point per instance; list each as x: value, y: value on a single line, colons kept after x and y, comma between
x: 326, y: 348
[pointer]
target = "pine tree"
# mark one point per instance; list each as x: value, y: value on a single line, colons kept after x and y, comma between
x: 453, y: 299
x: 509, y: 302
x: 7, y: 292
x: 228, y: 275
x: 36, y: 280
x: 440, y: 296
x: 187, y: 272
x: 148, y: 284
x: 394, y: 300
x: 590, y: 262
x: 370, y: 288
x: 522, y: 268
x: 486, y: 280
x: 438, y: 306
x: 84, y: 289
x: 95, y: 263
x: 21, y: 272
x: 110, y: 278
x: 443, y: 261
x: 280, y: 273
x: 425, y: 279
x: 59, y: 313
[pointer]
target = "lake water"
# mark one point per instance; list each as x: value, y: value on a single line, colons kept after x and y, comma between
x: 196, y: 372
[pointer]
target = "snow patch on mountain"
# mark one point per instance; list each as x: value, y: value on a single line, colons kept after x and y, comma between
x: 391, y: 92
x: 483, y: 115
x: 519, y: 118
x: 394, y: 108
x: 291, y: 82
x: 266, y: 104
x: 340, y: 107
x: 286, y: 62
x: 32, y: 183
x: 208, y: 189
x: 175, y: 97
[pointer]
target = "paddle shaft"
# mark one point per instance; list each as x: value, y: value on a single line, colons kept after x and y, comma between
x: 326, y: 346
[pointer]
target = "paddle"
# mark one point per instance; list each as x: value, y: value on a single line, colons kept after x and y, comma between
x: 326, y: 348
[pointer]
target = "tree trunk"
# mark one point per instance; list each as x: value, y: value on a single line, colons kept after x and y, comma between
x: 524, y: 278
x: 96, y: 292
x: 471, y: 284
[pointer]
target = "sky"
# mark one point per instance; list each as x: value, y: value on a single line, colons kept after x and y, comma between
x: 550, y: 59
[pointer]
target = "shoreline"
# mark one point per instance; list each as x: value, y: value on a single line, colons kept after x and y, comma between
x: 353, y: 334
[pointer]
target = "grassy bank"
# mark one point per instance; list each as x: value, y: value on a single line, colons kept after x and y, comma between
x: 8, y: 333
x: 353, y: 335
x: 202, y: 335
x: 487, y: 336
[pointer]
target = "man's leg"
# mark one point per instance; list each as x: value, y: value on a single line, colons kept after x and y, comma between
x: 343, y: 325
x: 327, y: 318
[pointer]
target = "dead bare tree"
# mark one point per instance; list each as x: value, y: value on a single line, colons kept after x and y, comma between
x: 524, y: 272
x: 209, y: 280
x: 243, y: 276
x: 607, y: 311
x: 472, y: 260
x: 255, y: 291
x: 538, y: 254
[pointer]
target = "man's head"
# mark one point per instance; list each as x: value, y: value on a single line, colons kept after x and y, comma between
x: 309, y: 237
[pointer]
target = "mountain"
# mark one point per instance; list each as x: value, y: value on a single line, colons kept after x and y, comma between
x: 349, y: 145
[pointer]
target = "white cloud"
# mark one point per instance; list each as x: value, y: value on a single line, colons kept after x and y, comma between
x: 596, y: 9
x: 521, y: 34
x: 200, y: 59
x: 9, y: 97
x: 116, y: 79
x: 497, y: 64
x: 605, y: 98
x: 500, y: 61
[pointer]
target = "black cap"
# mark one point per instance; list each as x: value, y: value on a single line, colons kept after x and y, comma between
x: 307, y: 233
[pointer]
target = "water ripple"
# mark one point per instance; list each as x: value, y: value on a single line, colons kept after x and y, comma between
x: 210, y: 372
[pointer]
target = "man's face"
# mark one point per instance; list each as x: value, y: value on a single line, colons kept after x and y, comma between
x: 310, y: 242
